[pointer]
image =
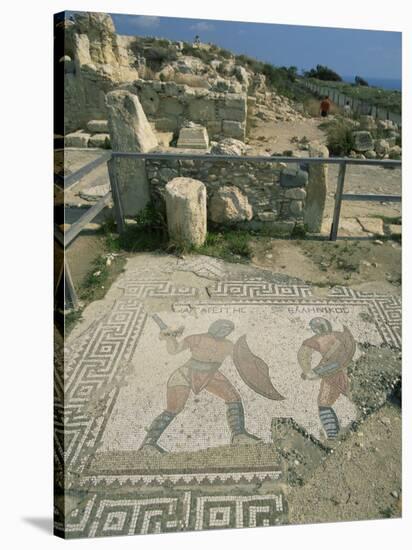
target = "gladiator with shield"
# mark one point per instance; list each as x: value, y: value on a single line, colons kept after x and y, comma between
x: 201, y: 373
x: 337, y: 349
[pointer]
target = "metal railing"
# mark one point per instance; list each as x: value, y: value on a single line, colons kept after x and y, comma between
x: 67, y: 238
x: 71, y: 300
x: 339, y: 195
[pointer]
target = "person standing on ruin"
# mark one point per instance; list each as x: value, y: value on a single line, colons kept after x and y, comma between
x: 325, y: 105
x: 347, y: 109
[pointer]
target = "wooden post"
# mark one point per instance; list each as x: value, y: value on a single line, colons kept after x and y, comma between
x: 338, y: 201
x: 117, y: 201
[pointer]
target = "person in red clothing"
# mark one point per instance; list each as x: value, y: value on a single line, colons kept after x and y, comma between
x: 325, y: 106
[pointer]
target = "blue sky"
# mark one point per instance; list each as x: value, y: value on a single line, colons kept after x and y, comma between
x: 348, y: 51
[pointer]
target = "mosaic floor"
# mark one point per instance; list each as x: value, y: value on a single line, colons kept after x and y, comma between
x: 175, y: 382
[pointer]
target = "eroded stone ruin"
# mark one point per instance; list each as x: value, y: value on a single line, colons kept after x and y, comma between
x: 140, y: 94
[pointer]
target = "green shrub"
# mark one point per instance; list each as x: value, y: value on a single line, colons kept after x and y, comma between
x: 339, y: 137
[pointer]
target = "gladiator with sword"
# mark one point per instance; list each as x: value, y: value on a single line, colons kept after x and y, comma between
x: 201, y: 372
x: 336, y: 349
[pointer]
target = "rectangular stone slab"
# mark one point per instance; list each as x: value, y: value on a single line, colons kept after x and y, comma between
x: 193, y: 138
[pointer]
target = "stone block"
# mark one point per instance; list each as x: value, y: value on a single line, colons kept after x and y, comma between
x: 77, y: 139
x: 229, y: 146
x: 100, y: 140
x: 129, y: 127
x: 372, y: 225
x: 232, y: 114
x: 395, y: 152
x: 382, y: 147
x: 367, y: 122
x: 229, y: 205
x: 395, y: 230
x: 296, y: 208
x: 214, y: 128
x: 98, y: 126
x: 362, y: 141
x: 236, y: 101
x: 195, y: 137
x: 202, y: 110
x: 186, y: 211
x: 317, y: 188
x: 231, y: 128
x: 171, y: 106
x: 167, y: 124
x: 296, y: 193
x: 293, y: 177
x: 267, y: 216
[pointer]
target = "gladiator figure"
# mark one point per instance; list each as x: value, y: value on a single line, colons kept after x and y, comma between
x: 201, y: 373
x: 337, y: 350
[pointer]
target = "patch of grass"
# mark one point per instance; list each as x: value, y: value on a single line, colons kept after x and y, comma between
x: 99, y: 278
x: 228, y: 245
x: 149, y: 233
x: 94, y: 286
x: 387, y: 512
x: 299, y: 231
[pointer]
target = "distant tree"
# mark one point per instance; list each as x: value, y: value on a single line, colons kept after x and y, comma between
x: 292, y: 72
x: 359, y: 81
x: 321, y: 72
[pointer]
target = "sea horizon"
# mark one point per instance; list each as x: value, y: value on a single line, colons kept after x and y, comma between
x: 385, y: 83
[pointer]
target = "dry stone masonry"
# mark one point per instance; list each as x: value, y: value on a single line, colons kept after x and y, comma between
x: 249, y: 194
x: 169, y: 105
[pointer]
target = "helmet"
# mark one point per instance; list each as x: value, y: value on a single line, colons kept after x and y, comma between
x: 319, y: 325
x: 221, y: 328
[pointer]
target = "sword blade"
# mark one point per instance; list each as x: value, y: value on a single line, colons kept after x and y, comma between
x: 159, y: 322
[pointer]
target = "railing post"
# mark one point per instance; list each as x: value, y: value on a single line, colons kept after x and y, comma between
x: 117, y: 201
x: 338, y: 201
x: 70, y: 296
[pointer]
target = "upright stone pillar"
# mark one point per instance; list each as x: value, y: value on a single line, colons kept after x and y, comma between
x: 186, y: 211
x: 317, y: 188
x: 130, y: 131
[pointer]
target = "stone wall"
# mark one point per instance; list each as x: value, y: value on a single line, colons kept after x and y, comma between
x: 259, y: 182
x: 168, y: 105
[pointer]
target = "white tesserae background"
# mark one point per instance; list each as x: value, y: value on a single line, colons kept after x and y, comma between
x: 26, y: 295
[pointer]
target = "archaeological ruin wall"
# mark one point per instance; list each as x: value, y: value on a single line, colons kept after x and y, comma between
x: 255, y: 195
x: 169, y: 105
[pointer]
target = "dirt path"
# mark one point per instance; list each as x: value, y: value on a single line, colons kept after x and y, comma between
x: 365, y: 265
x: 274, y: 137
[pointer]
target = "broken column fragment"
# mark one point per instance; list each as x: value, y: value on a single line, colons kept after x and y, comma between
x: 186, y: 211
